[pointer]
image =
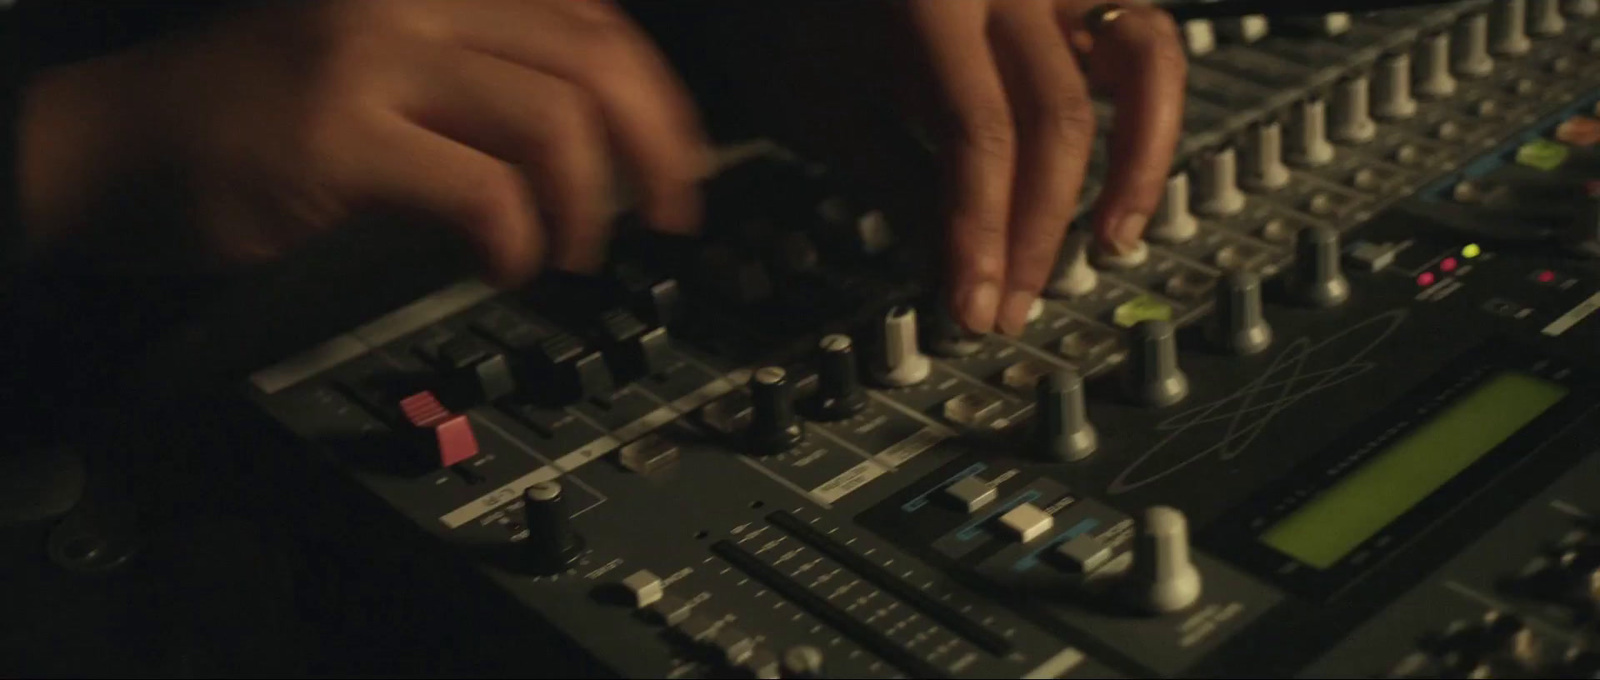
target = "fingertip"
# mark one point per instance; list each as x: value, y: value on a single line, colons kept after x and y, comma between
x: 977, y: 306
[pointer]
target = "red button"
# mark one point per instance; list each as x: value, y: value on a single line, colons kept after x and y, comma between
x: 456, y: 441
x: 453, y: 433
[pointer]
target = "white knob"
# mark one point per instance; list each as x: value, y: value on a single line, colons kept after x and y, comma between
x: 1218, y: 172
x: 1508, y: 28
x: 1308, y: 135
x: 1173, y: 221
x: 1200, y: 36
x: 1164, y: 577
x: 1073, y: 276
x: 1264, y: 170
x: 1433, y: 78
x: 1352, y: 111
x: 1246, y: 29
x: 1471, y: 47
x: 1391, y: 89
x: 904, y: 362
x: 1544, y: 18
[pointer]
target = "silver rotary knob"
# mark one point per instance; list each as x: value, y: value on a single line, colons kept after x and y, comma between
x: 1163, y: 579
x: 1317, y: 279
x: 1061, y: 420
x: 1238, y: 324
x: 1151, y: 374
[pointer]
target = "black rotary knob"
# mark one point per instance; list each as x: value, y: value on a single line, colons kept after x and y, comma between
x: 774, y: 427
x: 839, y: 393
x: 552, y: 542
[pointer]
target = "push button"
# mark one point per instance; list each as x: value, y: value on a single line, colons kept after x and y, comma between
x: 451, y: 433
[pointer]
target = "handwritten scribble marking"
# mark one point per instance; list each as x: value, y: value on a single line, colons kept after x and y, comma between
x: 1248, y: 411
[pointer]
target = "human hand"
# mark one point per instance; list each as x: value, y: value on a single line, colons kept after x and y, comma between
x: 495, y: 117
x: 1013, y: 78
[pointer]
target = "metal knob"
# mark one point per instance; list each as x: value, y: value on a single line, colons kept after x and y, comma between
x: 1508, y: 28
x: 1391, y: 88
x: 1308, y: 135
x: 1264, y: 169
x: 1164, y: 578
x: 1432, y: 78
x: 1061, y: 420
x: 1470, y: 47
x: 1317, y: 279
x: 1352, y: 111
x: 1238, y: 324
x: 839, y: 393
x: 1151, y: 374
x: 774, y: 427
x: 552, y: 544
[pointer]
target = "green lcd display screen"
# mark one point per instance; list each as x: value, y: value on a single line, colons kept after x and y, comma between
x: 1335, y: 522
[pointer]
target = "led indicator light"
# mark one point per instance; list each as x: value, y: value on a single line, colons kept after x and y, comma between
x: 1448, y: 265
x: 1547, y: 276
x: 1425, y: 279
x: 1471, y: 250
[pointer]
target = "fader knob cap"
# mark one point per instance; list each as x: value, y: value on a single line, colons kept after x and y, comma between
x: 1061, y: 421
x: 1470, y: 47
x: 1151, y: 374
x: 1163, y: 578
x: 1391, y: 88
x: 839, y: 394
x: 1317, y: 279
x: 1238, y: 324
x: 904, y: 362
x: 1432, y: 78
x: 552, y: 543
x: 1544, y: 18
x: 1217, y: 173
x: 1173, y: 222
x: 1352, y: 111
x: 774, y: 427
x: 1308, y: 135
x: 1264, y: 169
x: 1508, y: 28
x: 1073, y: 275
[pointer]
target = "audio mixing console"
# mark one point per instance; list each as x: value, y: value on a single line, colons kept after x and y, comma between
x: 1337, y: 419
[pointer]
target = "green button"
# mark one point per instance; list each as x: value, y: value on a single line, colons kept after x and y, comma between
x: 1143, y: 308
x: 1542, y: 154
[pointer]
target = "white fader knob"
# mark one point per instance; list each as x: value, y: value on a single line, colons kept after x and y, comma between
x: 1163, y: 579
x: 1217, y: 173
x: 1173, y: 221
x: 1264, y: 170
x: 1544, y: 18
x: 1073, y: 276
x: 1432, y: 76
x: 1308, y: 135
x: 904, y: 362
x: 1352, y: 111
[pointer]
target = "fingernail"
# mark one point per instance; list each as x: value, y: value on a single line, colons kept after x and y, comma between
x: 982, y: 302
x: 1014, y: 315
x: 1127, y: 234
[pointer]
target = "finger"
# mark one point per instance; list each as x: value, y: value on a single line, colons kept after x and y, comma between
x: 1139, y: 59
x: 980, y: 155
x: 647, y: 110
x: 538, y: 122
x: 1055, y: 128
x: 408, y: 167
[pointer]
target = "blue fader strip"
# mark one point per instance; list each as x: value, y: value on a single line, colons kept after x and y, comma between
x: 1506, y: 153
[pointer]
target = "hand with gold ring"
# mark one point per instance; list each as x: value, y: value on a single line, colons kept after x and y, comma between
x: 1014, y: 78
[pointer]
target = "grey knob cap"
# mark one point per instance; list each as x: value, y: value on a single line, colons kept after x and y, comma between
x: 803, y: 661
x: 1264, y: 169
x: 1061, y: 420
x: 1218, y: 175
x: 1308, y: 144
x: 1173, y: 222
x: 904, y: 364
x: 1391, y: 88
x: 839, y: 394
x: 1317, y: 279
x: 1470, y: 47
x: 1151, y: 373
x: 1432, y: 78
x: 1073, y: 275
x: 1238, y: 324
x: 1164, y: 578
x: 774, y: 427
x: 1508, y: 28
x: 1545, y: 19
x: 1352, y: 111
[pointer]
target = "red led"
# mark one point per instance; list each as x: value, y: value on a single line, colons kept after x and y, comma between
x: 1425, y: 279
x: 1547, y: 276
x: 1448, y: 265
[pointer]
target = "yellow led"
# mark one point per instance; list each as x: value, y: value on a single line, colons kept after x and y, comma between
x: 1471, y: 250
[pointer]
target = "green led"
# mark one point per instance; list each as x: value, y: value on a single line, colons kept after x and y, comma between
x: 1142, y: 308
x: 1471, y: 250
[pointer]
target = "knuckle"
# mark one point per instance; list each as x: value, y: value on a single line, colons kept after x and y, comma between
x: 370, y: 17
x: 1068, y: 118
x: 1162, y: 39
